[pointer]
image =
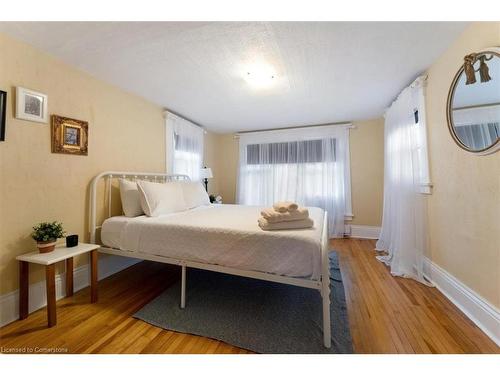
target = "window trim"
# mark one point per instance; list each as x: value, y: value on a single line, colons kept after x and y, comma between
x: 425, y: 185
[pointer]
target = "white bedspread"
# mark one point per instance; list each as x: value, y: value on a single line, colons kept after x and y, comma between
x: 225, y: 235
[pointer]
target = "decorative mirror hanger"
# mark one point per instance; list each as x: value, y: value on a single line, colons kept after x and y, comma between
x: 483, y: 70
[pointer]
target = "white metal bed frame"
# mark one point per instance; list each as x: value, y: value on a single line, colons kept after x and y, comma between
x: 322, y: 285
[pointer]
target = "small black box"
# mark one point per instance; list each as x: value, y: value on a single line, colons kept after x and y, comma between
x: 72, y: 240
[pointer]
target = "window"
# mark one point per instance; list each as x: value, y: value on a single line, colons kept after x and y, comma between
x: 420, y: 136
x: 309, y: 166
x: 291, y: 152
x: 420, y: 150
x: 184, y: 146
x: 409, y: 135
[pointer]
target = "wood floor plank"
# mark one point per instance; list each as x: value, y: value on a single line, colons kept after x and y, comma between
x: 386, y: 315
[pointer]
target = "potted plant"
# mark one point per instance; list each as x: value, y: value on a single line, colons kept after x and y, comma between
x: 46, y: 234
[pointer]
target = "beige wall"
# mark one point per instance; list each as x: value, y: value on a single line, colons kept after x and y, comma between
x: 464, y: 209
x: 125, y: 133
x: 367, y: 169
x: 225, y: 166
x: 210, y: 160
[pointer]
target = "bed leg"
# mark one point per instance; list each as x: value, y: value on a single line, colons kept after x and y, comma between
x: 183, y: 287
x: 325, y: 295
x: 325, y: 283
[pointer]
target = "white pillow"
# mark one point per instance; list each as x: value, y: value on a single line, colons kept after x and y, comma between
x: 159, y: 199
x: 129, y: 195
x: 194, y: 194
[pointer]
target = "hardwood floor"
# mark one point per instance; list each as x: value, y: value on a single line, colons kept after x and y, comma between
x: 386, y: 315
x: 395, y: 315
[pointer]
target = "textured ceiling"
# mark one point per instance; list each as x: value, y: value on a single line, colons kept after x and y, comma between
x: 325, y: 71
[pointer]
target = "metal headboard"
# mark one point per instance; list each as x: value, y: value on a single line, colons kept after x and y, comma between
x: 108, y: 176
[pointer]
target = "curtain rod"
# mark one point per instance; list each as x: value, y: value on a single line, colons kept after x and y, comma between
x: 477, y: 106
x: 349, y: 124
x: 421, y: 80
x: 166, y: 112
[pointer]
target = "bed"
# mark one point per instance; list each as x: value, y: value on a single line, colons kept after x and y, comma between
x: 219, y: 238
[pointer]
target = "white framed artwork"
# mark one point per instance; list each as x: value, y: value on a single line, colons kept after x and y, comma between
x: 31, y: 105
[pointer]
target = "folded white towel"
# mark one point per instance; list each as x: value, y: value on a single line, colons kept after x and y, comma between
x: 285, y: 206
x: 274, y: 216
x: 296, y: 224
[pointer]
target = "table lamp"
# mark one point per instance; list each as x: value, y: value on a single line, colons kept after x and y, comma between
x: 205, y: 174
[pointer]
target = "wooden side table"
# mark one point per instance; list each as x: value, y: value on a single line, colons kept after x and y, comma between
x: 49, y: 260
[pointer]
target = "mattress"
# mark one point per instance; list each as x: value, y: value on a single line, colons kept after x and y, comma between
x: 226, y: 235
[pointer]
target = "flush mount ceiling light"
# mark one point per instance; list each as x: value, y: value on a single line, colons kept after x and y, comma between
x: 260, y: 75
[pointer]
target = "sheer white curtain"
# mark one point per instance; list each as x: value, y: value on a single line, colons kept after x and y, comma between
x: 184, y: 146
x: 477, y: 127
x: 478, y: 136
x: 404, y: 234
x: 309, y: 166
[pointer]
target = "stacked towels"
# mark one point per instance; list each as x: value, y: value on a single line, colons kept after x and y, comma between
x: 285, y: 215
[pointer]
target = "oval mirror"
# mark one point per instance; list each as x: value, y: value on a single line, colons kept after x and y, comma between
x: 473, y: 108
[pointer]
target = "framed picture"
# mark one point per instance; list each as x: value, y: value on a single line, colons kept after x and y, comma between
x: 69, y: 136
x: 3, y: 110
x: 31, y: 105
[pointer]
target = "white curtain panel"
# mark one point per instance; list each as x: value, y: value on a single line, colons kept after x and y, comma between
x: 478, y: 136
x: 184, y: 145
x: 404, y: 234
x: 309, y: 166
x: 477, y: 127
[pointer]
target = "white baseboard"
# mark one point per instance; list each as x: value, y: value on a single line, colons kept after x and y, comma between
x: 480, y: 311
x: 9, y: 303
x: 363, y: 231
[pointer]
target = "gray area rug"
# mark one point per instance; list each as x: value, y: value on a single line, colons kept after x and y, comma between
x: 260, y: 316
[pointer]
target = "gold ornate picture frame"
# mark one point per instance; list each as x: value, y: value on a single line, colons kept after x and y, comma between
x: 69, y: 136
